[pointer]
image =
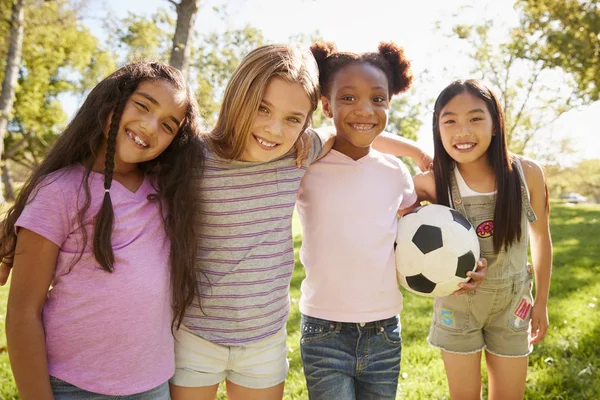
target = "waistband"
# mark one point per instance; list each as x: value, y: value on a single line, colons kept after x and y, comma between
x: 337, y: 325
x: 500, y: 283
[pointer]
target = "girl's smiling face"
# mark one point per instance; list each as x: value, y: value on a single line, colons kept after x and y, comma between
x: 358, y: 102
x: 150, y: 121
x: 280, y: 119
x: 466, y: 128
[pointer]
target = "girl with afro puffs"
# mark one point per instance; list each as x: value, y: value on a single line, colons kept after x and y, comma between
x: 348, y: 203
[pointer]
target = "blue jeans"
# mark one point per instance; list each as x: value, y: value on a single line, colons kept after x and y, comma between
x: 65, y: 391
x: 348, y: 361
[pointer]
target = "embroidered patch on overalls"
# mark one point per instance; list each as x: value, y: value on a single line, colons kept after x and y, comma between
x: 485, y: 229
x: 447, y: 317
x: 523, y: 308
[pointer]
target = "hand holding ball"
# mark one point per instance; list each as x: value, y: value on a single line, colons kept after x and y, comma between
x: 435, y: 248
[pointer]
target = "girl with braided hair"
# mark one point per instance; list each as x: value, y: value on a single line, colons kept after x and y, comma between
x: 103, y: 260
x: 348, y: 202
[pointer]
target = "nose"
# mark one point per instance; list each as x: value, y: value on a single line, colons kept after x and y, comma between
x: 364, y: 108
x: 462, y: 129
x: 149, y: 124
x: 273, y: 127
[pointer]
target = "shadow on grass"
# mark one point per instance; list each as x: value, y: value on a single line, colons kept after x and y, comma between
x: 575, y: 233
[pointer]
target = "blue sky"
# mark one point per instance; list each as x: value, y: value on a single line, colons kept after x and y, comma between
x: 360, y: 25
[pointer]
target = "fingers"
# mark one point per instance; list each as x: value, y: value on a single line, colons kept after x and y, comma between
x: 425, y: 163
x: 301, y: 149
x: 4, y: 273
x: 538, y: 331
x: 475, y: 278
x: 481, y: 265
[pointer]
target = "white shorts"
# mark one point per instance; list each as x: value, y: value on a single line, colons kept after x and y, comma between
x: 199, y: 362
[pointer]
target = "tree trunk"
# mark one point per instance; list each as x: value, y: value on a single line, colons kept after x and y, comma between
x: 13, y: 60
x: 7, y: 181
x: 186, y: 16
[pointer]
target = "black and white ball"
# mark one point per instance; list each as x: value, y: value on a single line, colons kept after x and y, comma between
x: 435, y: 248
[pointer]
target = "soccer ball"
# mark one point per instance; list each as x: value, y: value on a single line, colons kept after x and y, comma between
x: 435, y: 248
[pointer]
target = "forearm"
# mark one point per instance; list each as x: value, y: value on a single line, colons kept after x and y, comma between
x: 542, y: 266
x: 398, y: 146
x: 27, y: 353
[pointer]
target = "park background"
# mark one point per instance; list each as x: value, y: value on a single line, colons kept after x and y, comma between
x: 542, y: 57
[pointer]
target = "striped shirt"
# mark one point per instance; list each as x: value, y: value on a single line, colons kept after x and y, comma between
x: 246, y: 250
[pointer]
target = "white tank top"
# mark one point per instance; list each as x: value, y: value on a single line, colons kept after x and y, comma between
x: 465, y: 190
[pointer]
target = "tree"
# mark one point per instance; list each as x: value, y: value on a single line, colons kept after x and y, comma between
x: 564, y: 34
x: 147, y: 37
x: 59, y: 55
x: 186, y: 16
x: 215, y: 60
x: 13, y: 59
x: 587, y: 179
x: 532, y: 94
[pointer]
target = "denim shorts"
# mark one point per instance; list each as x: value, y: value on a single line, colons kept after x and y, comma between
x: 65, y: 391
x: 346, y: 361
x: 494, y: 317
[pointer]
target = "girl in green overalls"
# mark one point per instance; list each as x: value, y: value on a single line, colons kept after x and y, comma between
x: 505, y: 198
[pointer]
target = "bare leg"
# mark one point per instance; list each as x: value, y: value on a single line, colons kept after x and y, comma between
x: 506, y: 376
x: 237, y: 392
x: 464, y: 375
x: 193, y: 393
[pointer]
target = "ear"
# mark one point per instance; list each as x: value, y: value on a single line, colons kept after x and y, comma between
x: 326, y: 107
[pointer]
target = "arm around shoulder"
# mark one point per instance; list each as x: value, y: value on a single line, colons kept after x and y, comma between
x: 402, y: 147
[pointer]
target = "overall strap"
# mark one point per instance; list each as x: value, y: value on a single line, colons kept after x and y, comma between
x: 525, y: 193
x: 455, y: 197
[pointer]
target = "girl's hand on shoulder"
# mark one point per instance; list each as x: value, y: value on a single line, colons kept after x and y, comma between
x: 476, y: 276
x: 539, y: 322
x: 425, y: 162
x: 302, y: 147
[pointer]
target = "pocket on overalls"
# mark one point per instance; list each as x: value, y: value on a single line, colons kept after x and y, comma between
x: 484, y: 228
x: 452, y: 313
x: 520, y: 310
x: 314, y: 329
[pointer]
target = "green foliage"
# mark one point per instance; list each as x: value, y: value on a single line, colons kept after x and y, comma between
x: 564, y: 34
x: 583, y: 178
x: 213, y: 62
x: 404, y: 117
x: 143, y: 37
x: 60, y: 56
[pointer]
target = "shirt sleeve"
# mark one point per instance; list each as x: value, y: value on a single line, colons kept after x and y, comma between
x: 409, y: 194
x: 316, y: 145
x: 45, y: 213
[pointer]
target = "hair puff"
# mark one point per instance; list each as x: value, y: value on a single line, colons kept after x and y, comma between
x: 322, y: 49
x: 394, y: 55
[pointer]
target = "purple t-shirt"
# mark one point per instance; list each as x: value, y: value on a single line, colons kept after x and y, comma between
x: 105, y: 332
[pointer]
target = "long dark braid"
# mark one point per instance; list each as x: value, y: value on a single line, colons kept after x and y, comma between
x: 105, y: 217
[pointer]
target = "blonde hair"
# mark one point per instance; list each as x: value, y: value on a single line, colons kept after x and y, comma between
x: 246, y: 88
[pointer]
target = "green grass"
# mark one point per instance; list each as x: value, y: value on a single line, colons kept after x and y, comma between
x: 565, y: 366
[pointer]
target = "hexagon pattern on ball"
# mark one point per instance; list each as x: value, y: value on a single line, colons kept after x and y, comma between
x: 435, y: 248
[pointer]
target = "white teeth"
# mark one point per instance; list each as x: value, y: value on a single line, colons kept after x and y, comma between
x: 362, y: 127
x: 265, y: 143
x: 137, y: 139
x: 464, y: 146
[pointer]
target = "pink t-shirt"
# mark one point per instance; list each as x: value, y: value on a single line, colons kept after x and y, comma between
x: 105, y: 332
x: 348, y: 210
